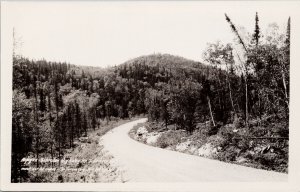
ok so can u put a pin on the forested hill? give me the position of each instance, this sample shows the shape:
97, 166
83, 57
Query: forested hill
163, 67
166, 60
56, 103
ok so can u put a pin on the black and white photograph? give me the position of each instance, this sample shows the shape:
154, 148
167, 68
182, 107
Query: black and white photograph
124, 92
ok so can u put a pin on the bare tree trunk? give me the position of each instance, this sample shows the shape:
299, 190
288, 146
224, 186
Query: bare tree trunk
37, 127
59, 143
51, 128
166, 122
230, 93
231, 99
37, 145
52, 157
210, 111
59, 151
246, 102
246, 92
285, 88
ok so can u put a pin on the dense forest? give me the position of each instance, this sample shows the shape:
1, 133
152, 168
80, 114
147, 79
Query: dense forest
246, 83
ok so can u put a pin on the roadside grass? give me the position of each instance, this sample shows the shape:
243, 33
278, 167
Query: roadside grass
93, 163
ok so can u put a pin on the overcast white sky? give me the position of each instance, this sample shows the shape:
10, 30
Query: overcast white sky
109, 33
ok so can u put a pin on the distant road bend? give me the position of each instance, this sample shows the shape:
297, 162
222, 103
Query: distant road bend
143, 163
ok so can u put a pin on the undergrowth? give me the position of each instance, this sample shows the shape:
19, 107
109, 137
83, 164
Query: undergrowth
262, 145
94, 162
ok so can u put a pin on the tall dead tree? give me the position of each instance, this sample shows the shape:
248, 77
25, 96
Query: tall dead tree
233, 28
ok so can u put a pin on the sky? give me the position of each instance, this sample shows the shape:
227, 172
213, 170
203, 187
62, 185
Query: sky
109, 33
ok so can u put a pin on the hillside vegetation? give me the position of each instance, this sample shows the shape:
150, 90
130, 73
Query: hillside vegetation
239, 116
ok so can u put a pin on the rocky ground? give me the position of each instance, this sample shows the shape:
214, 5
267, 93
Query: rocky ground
145, 163
228, 144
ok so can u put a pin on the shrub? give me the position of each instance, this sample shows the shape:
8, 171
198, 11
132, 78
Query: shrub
198, 139
217, 141
60, 179
209, 130
169, 138
238, 122
213, 130
162, 142
229, 154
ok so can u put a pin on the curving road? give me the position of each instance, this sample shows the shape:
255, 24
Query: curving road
143, 163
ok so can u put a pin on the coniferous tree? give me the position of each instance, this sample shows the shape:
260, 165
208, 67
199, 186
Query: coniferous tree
256, 34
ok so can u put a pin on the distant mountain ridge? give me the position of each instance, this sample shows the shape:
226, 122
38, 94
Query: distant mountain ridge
165, 60
152, 60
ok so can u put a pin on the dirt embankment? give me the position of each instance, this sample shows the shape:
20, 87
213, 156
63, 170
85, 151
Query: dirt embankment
145, 163
228, 144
